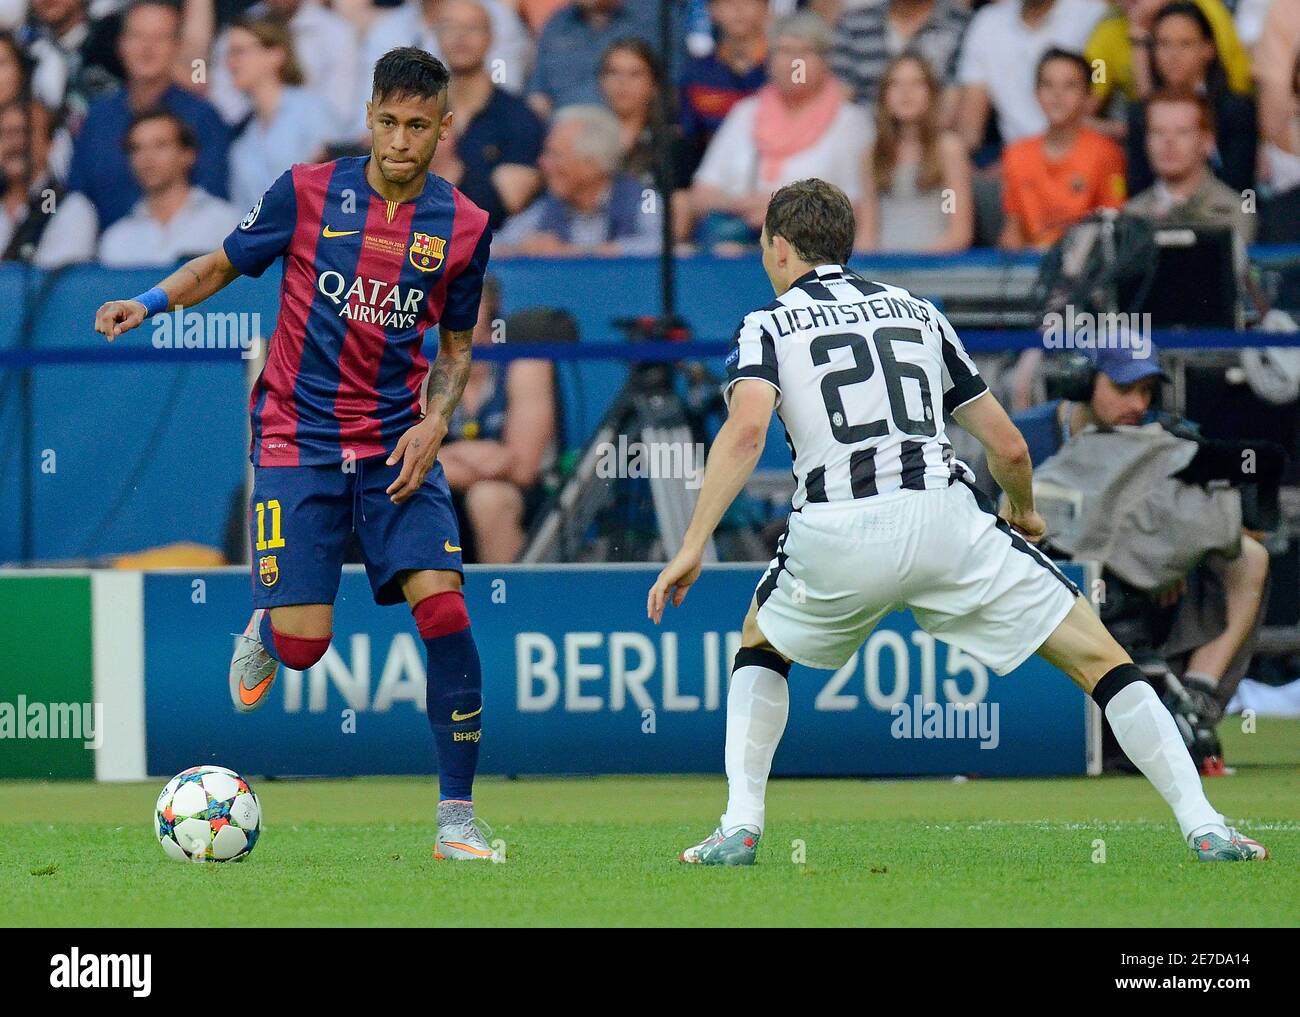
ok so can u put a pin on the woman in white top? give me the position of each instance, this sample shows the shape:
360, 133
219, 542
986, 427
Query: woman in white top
916, 184
800, 124
289, 124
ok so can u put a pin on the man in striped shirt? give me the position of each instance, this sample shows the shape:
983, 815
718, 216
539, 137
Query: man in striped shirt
885, 517
867, 38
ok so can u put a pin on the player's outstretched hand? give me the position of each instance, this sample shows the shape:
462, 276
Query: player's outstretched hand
673, 582
417, 449
118, 316
1030, 523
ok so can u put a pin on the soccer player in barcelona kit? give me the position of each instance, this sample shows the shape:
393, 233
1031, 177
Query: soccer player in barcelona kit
376, 250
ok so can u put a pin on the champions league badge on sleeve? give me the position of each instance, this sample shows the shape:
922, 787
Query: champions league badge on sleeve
248, 220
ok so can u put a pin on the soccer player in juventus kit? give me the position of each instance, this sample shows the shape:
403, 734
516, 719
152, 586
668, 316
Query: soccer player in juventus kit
885, 517
377, 252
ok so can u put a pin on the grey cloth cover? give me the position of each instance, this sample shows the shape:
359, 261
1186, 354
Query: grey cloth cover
1110, 495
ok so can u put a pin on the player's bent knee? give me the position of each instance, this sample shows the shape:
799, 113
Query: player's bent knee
761, 656
1083, 647
306, 621
300, 633
418, 585
299, 652
1114, 681
755, 648
441, 614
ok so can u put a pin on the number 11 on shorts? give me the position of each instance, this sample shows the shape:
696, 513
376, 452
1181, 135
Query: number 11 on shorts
262, 508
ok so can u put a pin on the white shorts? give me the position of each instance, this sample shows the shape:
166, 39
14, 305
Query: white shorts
969, 579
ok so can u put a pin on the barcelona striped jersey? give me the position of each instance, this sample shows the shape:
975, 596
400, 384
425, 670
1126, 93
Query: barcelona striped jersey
364, 279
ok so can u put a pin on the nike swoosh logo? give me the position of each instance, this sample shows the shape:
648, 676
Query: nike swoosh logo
327, 232
469, 847
464, 716
449, 547
250, 696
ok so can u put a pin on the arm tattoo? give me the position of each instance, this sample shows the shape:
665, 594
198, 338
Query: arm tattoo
450, 372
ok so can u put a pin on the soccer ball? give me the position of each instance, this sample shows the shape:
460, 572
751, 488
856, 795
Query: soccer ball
207, 814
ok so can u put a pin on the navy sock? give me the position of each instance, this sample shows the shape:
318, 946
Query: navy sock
454, 693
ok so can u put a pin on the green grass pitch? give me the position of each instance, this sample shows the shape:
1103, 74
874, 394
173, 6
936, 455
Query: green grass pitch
603, 852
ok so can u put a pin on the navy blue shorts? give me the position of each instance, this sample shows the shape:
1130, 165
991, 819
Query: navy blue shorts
301, 516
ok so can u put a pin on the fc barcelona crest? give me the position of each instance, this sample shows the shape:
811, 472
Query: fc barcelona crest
426, 252
267, 570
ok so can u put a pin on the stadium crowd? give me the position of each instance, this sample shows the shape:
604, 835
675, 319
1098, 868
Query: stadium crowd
137, 131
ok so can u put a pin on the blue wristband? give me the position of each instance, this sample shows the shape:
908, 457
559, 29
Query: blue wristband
154, 300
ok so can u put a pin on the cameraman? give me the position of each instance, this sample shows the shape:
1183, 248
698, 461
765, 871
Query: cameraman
1219, 601
1124, 388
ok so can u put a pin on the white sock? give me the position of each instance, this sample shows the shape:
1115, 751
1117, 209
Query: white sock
758, 703
1149, 737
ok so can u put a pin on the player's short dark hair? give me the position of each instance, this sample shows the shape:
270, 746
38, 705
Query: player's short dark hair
411, 72
185, 135
1057, 53
816, 218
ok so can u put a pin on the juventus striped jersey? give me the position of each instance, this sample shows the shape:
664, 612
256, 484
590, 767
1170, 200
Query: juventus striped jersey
364, 280
865, 375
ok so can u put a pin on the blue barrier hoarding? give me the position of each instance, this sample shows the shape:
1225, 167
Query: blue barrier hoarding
576, 680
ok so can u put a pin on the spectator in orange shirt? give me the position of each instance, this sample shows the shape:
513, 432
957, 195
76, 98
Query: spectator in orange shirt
1053, 180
